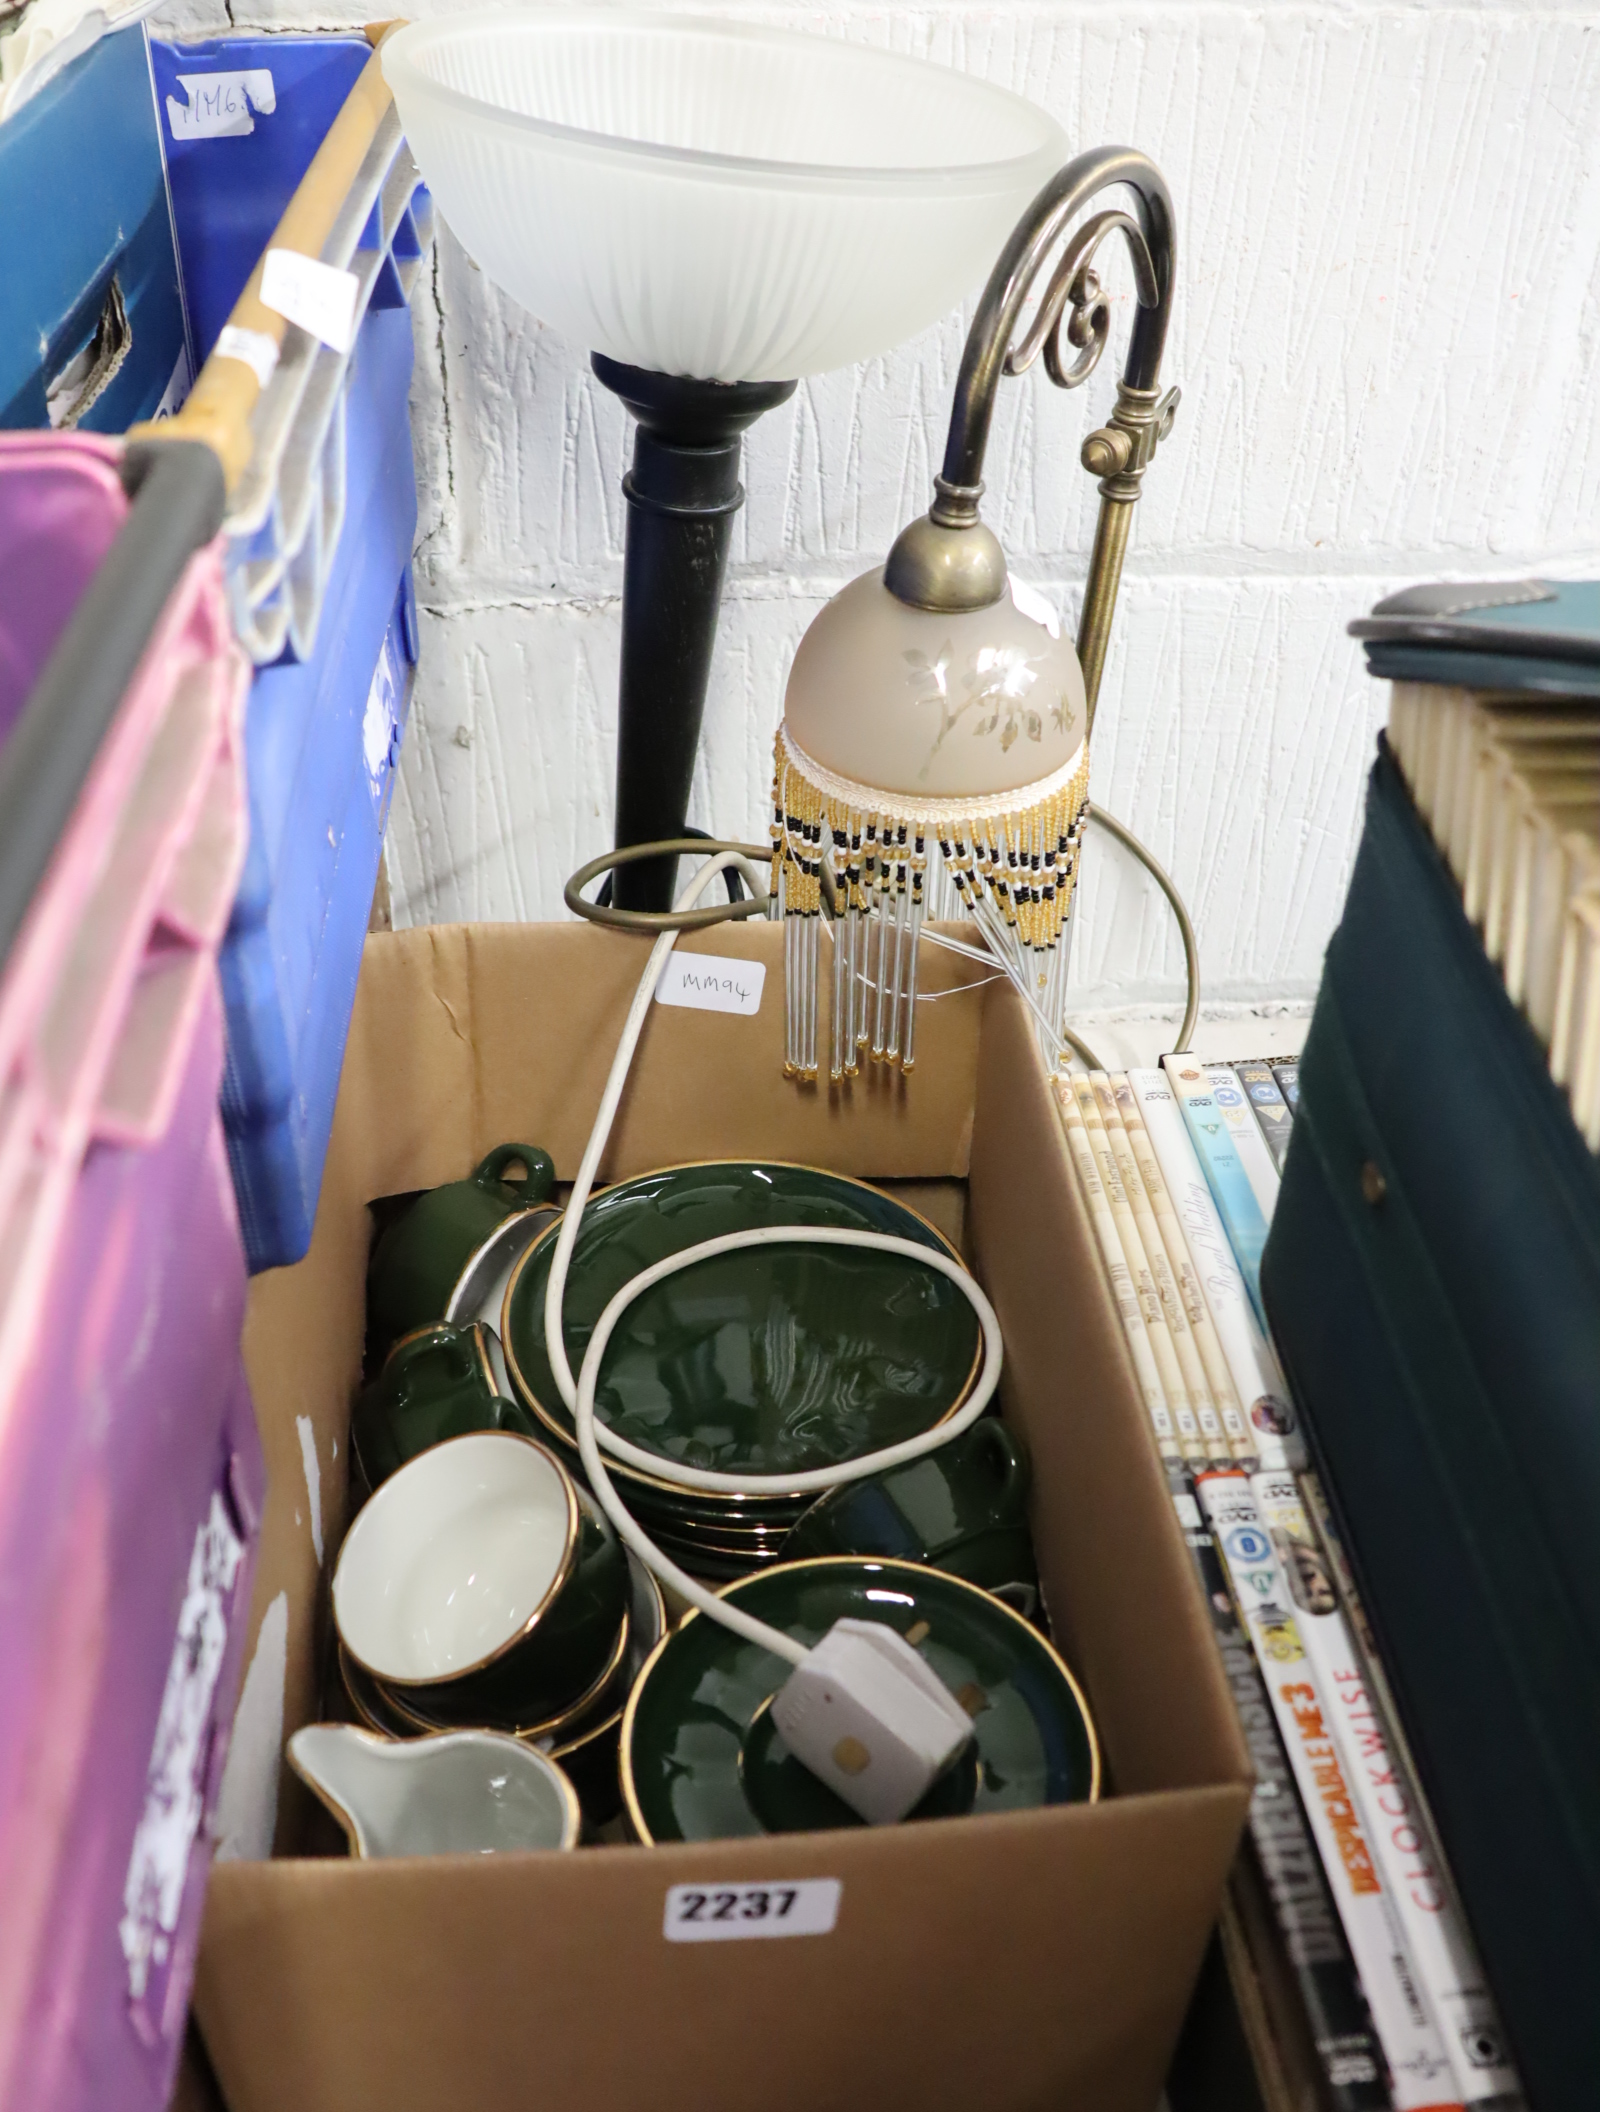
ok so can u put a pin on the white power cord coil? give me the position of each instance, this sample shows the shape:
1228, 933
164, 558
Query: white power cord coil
579, 1394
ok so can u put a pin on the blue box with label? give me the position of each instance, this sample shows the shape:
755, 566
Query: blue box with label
93, 333
242, 118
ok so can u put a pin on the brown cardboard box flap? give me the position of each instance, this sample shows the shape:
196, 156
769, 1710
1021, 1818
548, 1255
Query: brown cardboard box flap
982, 1967
1036, 1960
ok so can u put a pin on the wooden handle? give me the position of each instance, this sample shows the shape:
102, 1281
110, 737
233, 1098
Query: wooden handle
220, 404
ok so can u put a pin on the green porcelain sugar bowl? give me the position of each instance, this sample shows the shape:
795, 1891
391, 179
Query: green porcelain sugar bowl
418, 1258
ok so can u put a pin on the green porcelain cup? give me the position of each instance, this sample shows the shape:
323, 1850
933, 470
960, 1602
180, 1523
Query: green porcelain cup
962, 1509
419, 1258
437, 1383
480, 1583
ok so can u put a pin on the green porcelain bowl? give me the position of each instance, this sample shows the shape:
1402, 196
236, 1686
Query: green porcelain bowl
702, 1761
763, 1362
482, 1587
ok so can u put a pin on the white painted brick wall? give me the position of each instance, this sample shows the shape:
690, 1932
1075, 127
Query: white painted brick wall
1389, 222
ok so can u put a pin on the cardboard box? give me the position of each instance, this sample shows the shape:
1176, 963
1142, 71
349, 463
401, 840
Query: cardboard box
1035, 1960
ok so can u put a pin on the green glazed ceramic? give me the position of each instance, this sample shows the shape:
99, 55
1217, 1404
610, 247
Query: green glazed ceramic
767, 1361
586, 1746
702, 1761
418, 1259
963, 1509
482, 1587
437, 1383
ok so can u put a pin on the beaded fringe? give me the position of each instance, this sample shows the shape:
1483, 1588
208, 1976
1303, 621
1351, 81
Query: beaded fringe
1009, 868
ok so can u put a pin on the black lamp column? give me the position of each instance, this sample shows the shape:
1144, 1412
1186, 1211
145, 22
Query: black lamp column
683, 492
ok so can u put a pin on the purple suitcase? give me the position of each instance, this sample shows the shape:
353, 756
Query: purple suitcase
127, 1531
131, 1476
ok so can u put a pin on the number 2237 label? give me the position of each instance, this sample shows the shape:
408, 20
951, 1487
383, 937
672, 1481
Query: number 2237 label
729, 1913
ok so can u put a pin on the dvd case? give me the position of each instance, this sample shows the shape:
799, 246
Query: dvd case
1144, 1268
1440, 1950
1268, 1105
1124, 1292
1302, 1906
1420, 2077
1236, 1200
1233, 1104
1213, 1444
1202, 1328
1256, 1377
1475, 2040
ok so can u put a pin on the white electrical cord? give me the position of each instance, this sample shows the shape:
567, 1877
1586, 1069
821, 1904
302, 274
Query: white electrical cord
579, 1395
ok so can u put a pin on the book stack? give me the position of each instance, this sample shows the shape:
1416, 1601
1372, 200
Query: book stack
1504, 767
1372, 1964
1432, 1271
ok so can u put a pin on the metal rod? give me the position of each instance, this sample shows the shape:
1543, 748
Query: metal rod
1100, 594
683, 492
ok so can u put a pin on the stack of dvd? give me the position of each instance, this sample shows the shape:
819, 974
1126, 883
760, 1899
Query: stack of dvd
1179, 1172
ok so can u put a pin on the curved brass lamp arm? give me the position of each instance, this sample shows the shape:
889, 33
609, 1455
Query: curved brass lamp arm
949, 560
1087, 324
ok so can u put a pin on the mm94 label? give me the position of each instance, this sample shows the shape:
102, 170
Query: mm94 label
730, 1913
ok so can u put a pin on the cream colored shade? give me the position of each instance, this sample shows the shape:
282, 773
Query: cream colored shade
916, 703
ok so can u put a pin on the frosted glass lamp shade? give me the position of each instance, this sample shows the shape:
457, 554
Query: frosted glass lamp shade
714, 198
931, 705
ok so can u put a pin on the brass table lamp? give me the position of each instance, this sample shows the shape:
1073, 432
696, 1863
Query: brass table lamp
934, 712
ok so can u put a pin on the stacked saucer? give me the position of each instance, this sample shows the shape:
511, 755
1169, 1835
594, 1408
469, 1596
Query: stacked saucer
765, 1361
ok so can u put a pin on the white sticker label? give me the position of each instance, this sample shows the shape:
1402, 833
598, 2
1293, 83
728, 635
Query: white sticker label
254, 347
707, 983
177, 388
158, 1869
730, 1913
319, 297
378, 742
221, 105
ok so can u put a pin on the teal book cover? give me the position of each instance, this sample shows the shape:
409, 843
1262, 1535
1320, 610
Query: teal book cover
1230, 1187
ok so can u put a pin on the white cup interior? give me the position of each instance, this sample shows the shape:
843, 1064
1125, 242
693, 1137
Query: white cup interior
452, 1556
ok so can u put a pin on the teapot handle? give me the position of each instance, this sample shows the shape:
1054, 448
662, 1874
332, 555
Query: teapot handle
538, 1165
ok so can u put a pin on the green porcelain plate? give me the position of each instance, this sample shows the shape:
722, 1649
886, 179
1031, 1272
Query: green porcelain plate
766, 1362
701, 1760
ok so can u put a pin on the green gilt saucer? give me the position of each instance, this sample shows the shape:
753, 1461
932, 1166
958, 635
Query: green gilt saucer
702, 1760
769, 1361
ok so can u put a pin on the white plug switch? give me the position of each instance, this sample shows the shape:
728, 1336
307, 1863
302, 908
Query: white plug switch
871, 1718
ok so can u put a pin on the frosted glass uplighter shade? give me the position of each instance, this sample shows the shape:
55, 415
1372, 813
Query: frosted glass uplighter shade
714, 198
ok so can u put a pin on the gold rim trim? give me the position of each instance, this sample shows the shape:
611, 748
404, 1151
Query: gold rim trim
620, 1469
356, 1683
571, 1805
630, 1800
564, 1718
552, 1592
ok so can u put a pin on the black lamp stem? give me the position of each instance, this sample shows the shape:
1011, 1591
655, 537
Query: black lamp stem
683, 492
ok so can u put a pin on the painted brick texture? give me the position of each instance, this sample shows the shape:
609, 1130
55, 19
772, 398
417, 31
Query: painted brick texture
1389, 223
